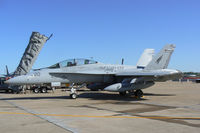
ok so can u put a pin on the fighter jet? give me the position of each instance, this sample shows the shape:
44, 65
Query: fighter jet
43, 87
114, 78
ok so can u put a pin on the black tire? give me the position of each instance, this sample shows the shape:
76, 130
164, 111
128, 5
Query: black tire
122, 93
44, 90
10, 91
73, 96
139, 93
36, 90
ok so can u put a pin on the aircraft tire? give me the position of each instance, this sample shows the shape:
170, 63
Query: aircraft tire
139, 93
36, 90
122, 93
7, 91
44, 90
73, 96
10, 91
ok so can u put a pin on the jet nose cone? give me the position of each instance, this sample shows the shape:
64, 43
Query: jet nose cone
10, 81
15, 80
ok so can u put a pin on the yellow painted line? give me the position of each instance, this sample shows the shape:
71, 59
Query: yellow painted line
90, 116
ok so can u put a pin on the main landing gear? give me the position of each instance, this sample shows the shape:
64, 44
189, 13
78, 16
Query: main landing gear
138, 93
39, 89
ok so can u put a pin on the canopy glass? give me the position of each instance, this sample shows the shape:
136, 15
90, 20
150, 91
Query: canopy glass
73, 62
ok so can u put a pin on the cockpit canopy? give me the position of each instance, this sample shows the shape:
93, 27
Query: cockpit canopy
73, 62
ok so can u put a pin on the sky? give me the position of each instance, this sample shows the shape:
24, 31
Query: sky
105, 30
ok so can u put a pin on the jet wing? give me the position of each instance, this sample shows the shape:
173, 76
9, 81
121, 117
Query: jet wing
150, 75
65, 75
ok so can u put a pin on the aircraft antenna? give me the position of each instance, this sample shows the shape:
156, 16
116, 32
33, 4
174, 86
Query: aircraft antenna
50, 37
122, 61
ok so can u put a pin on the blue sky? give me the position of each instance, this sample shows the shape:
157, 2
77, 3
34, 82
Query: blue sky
106, 30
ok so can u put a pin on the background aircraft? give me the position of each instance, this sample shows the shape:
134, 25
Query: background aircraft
30, 55
3, 78
117, 78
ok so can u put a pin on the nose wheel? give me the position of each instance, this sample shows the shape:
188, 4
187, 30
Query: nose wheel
74, 90
73, 96
73, 93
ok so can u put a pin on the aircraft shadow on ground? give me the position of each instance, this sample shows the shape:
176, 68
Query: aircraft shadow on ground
91, 95
36, 98
106, 96
154, 94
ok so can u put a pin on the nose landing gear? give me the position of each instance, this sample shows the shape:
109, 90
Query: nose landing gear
73, 91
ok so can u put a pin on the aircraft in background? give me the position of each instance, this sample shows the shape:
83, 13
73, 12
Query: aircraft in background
114, 78
7, 73
31, 53
3, 78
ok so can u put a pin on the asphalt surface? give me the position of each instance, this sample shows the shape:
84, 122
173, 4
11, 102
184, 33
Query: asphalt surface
166, 107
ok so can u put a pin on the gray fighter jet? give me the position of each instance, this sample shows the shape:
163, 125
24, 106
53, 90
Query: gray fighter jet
31, 53
115, 78
43, 87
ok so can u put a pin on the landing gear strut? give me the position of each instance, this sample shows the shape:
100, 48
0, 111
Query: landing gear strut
73, 91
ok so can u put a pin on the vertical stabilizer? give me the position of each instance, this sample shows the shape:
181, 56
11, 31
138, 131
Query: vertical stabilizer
161, 60
145, 58
31, 53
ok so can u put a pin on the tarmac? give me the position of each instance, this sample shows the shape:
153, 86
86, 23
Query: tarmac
166, 107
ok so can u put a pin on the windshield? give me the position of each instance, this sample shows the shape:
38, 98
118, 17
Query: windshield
73, 62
